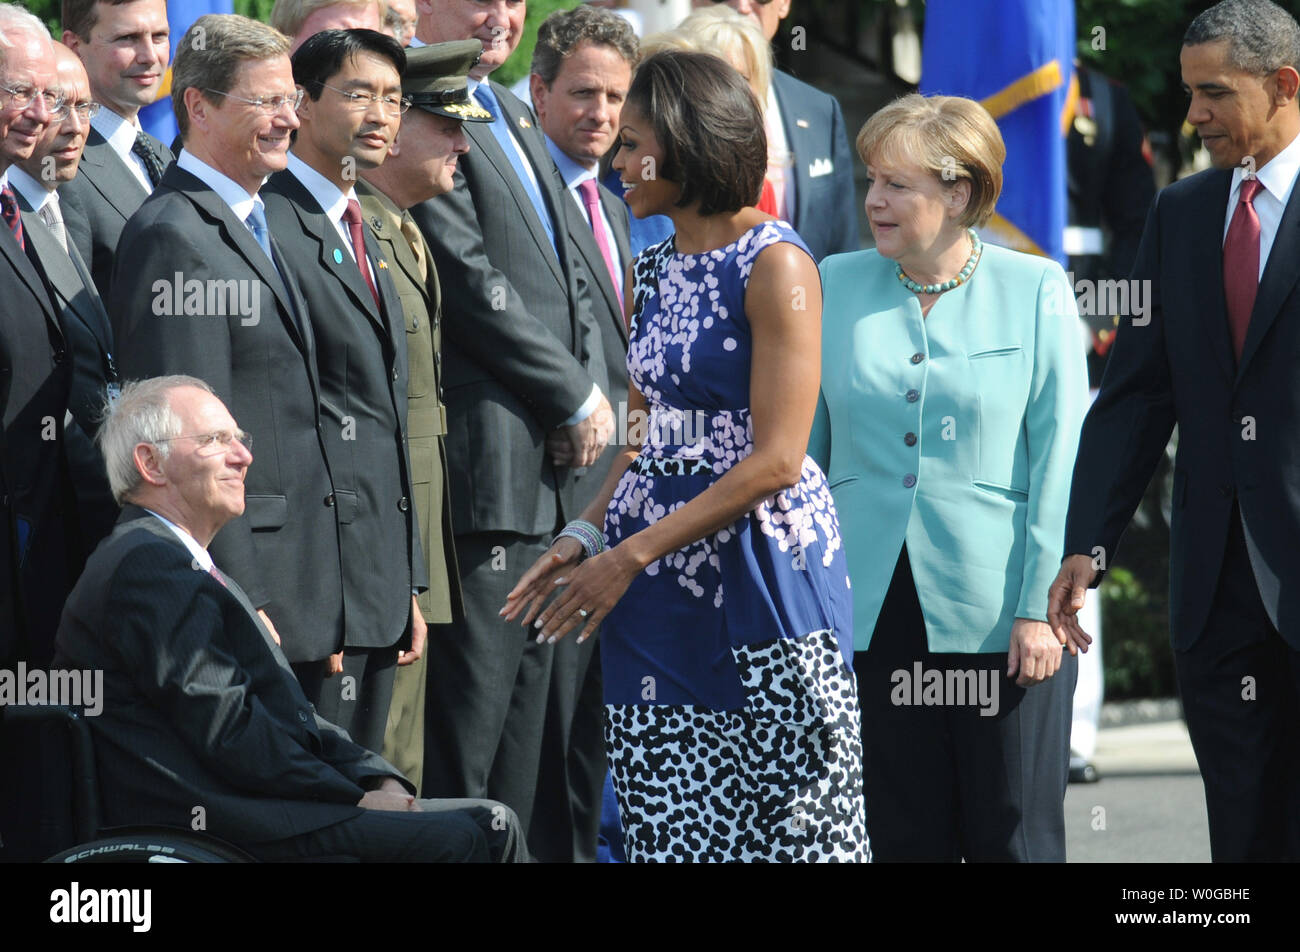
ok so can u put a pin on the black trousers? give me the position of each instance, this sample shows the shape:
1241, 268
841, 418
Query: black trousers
489, 681
1239, 683
446, 831
358, 699
944, 781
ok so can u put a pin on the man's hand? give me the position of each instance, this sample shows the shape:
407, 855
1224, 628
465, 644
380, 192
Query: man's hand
266, 620
334, 665
419, 635
559, 448
589, 437
391, 796
1065, 600
1035, 653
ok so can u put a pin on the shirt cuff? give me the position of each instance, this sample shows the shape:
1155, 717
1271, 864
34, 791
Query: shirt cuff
588, 407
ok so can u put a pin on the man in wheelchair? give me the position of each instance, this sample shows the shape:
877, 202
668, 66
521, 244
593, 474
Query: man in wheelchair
204, 725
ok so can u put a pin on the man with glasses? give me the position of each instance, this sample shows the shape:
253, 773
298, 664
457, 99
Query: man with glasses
812, 167
125, 46
37, 181
349, 118
199, 705
200, 288
35, 561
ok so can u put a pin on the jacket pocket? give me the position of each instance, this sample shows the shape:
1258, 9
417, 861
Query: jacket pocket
266, 512
994, 351
997, 489
842, 481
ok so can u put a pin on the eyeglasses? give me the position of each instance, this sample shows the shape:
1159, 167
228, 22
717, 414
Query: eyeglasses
223, 438
85, 111
22, 95
268, 104
761, 3
360, 100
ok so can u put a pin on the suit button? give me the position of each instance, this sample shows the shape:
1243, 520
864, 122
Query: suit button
913, 396
403, 504
918, 357
909, 481
329, 500
394, 373
302, 716
1225, 490
910, 439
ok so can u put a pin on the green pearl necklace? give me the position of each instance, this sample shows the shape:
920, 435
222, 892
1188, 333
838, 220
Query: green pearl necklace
976, 247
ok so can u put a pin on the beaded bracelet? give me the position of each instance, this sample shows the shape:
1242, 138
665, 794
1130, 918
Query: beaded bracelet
588, 536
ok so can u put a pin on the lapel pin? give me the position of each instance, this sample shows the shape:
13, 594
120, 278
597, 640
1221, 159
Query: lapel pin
376, 224
338, 256
382, 264
801, 123
524, 123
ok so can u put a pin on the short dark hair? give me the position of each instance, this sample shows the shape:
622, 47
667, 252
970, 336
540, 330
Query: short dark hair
79, 16
1262, 37
563, 31
324, 54
709, 126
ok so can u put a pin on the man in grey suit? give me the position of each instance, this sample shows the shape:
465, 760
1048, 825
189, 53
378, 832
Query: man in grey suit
203, 725
582, 67
35, 181
125, 46
523, 359
198, 290
356, 316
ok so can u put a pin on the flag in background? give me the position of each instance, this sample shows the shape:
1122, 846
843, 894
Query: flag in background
157, 118
1016, 58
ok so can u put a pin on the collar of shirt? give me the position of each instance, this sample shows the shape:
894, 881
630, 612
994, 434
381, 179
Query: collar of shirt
331, 201
572, 173
416, 43
119, 132
36, 194
227, 189
200, 554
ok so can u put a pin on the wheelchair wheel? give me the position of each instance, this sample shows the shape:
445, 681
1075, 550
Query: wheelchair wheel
154, 845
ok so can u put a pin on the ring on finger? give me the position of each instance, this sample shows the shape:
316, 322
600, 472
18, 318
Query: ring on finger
583, 613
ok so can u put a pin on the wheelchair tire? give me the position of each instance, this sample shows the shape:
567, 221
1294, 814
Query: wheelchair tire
154, 845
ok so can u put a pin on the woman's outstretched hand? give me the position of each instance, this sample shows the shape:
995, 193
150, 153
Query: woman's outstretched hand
590, 590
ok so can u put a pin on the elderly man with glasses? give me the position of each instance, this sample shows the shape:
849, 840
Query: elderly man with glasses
201, 288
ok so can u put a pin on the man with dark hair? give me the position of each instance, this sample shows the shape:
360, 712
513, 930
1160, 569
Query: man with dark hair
582, 66
1215, 353
200, 288
524, 359
815, 192
37, 181
125, 46
349, 117
203, 723
431, 141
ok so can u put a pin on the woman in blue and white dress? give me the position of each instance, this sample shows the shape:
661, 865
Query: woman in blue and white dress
717, 575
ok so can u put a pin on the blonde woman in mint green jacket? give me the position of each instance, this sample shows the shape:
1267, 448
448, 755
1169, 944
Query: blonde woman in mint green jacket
953, 388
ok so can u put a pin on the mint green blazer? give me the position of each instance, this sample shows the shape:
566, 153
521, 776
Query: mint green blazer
956, 434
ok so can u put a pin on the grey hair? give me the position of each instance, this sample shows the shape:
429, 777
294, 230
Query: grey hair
141, 414
1262, 37
16, 20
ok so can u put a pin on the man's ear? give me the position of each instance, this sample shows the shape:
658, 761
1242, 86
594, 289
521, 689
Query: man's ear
537, 91
1286, 81
148, 463
197, 106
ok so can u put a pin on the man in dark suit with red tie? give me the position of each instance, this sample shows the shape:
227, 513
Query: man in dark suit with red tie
1216, 353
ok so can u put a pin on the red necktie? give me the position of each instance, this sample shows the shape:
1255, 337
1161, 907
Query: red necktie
1241, 264
13, 218
353, 219
591, 198
216, 574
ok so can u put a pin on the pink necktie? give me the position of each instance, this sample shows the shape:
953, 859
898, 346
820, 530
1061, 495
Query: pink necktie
1241, 264
591, 198
216, 574
352, 217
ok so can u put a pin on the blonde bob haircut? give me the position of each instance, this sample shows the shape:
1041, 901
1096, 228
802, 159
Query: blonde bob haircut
723, 32
952, 137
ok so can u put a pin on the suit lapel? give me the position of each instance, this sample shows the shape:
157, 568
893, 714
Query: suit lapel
1280, 274
793, 134
388, 232
594, 262
236, 234
19, 261
110, 176
1205, 268
72, 289
616, 212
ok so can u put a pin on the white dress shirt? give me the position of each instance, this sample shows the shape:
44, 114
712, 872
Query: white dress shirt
1278, 179
33, 192
121, 134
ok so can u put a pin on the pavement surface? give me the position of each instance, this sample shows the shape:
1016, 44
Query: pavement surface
1148, 807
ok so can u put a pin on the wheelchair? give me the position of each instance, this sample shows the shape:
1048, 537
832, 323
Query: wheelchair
95, 843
